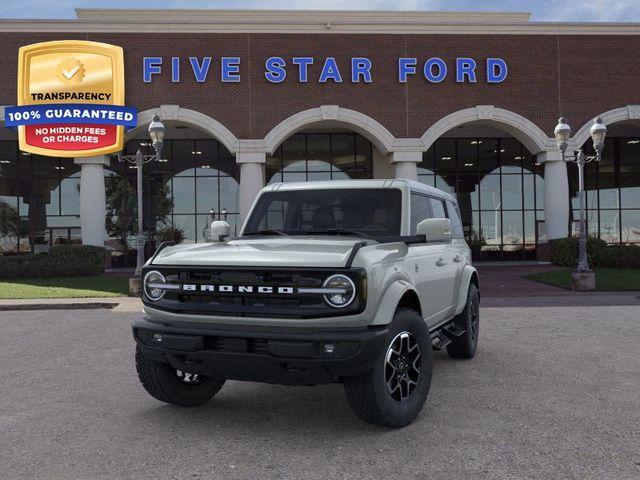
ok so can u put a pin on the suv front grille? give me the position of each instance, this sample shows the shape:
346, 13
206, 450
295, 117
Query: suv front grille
240, 296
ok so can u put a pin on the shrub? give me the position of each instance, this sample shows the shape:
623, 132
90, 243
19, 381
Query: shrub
61, 261
564, 252
170, 234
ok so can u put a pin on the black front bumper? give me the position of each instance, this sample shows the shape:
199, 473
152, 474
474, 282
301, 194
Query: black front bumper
271, 355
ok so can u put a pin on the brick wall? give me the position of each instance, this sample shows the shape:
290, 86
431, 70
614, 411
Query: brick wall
578, 76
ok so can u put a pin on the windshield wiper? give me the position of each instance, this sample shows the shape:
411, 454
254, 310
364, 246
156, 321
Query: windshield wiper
268, 232
339, 231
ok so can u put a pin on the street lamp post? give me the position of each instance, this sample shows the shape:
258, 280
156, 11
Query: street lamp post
562, 133
156, 133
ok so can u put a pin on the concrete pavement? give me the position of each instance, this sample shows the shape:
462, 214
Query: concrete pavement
553, 393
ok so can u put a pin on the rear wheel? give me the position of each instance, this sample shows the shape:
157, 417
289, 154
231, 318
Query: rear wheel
395, 390
176, 387
465, 345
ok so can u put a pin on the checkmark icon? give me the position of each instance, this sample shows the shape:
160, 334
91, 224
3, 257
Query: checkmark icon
71, 73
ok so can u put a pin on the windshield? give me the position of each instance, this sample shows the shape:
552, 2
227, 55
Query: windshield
367, 212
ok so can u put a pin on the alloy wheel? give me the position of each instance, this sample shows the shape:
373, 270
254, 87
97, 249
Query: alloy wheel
402, 366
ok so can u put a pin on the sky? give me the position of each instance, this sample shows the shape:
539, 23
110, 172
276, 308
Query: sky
542, 10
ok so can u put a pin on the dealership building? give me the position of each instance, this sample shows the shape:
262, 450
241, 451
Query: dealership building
466, 102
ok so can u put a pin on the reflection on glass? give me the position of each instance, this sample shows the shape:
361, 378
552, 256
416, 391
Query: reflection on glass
512, 192
320, 156
188, 225
610, 226
630, 221
512, 229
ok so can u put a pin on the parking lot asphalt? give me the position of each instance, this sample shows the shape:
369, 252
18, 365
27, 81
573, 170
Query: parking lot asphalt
553, 393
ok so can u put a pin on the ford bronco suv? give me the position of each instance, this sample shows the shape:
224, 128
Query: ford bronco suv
353, 281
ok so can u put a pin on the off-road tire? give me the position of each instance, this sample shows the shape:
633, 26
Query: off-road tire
368, 395
465, 345
161, 381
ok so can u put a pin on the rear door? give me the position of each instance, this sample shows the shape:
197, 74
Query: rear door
448, 261
431, 277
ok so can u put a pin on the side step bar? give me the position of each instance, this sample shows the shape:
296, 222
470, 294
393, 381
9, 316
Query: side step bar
443, 336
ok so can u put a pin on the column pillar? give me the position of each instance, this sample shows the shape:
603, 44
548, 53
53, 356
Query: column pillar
93, 209
556, 194
251, 179
406, 164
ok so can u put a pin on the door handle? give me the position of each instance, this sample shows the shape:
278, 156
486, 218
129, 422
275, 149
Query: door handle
457, 259
441, 262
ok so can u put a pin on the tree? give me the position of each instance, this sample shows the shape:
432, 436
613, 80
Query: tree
9, 222
122, 208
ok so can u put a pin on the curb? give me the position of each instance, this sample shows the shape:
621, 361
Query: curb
7, 307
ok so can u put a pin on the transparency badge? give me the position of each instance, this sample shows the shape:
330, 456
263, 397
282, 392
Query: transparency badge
70, 99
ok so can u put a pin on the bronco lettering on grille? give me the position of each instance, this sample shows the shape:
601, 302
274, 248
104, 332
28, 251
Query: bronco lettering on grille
264, 289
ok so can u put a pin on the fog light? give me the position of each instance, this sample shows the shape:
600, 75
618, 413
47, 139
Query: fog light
329, 348
157, 338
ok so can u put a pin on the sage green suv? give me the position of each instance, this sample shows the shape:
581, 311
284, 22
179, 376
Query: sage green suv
353, 282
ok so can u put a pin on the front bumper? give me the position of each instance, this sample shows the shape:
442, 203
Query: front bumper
273, 355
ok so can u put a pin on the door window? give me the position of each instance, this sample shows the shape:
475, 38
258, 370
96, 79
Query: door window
419, 210
437, 207
456, 221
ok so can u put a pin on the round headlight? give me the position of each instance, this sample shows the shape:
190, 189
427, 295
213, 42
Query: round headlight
153, 292
345, 291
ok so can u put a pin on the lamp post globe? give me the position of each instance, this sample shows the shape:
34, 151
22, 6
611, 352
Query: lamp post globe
598, 133
156, 133
562, 133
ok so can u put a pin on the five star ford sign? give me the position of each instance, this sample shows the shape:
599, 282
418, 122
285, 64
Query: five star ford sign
70, 99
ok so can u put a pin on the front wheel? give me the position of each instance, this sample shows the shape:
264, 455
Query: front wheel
395, 390
169, 385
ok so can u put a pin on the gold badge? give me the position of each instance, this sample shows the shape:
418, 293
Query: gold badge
78, 74
70, 71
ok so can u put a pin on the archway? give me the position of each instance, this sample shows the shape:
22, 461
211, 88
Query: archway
496, 179
612, 186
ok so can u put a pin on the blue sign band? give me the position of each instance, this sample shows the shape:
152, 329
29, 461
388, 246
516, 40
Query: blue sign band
70, 113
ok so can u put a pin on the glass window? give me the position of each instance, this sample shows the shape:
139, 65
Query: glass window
490, 197
467, 157
467, 192
512, 228
320, 156
370, 211
187, 223
183, 190
629, 155
512, 192
456, 221
445, 157
630, 220
183, 155
207, 195
610, 226
630, 190
511, 155
419, 210
488, 149
437, 208
319, 152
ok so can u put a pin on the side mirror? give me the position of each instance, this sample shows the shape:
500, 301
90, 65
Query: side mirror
220, 230
435, 229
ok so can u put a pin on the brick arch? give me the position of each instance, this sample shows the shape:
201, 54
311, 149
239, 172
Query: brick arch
382, 138
192, 117
616, 115
527, 132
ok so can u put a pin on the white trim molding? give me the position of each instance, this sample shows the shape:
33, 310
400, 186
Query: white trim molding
373, 130
622, 114
195, 21
185, 115
531, 136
